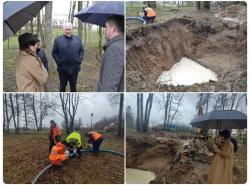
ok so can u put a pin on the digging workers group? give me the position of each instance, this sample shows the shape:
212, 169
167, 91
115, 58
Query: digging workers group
61, 150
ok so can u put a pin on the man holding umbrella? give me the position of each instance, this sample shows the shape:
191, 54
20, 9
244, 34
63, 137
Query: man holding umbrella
111, 76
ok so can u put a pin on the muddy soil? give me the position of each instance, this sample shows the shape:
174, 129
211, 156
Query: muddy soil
25, 155
177, 159
212, 40
90, 169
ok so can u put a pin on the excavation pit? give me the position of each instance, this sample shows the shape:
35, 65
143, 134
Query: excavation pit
216, 43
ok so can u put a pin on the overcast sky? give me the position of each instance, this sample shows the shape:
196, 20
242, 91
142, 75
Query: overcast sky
187, 109
97, 103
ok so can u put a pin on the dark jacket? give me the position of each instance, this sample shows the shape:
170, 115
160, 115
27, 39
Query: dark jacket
42, 55
68, 53
111, 77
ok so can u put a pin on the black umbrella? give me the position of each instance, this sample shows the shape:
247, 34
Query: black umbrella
99, 12
229, 119
17, 13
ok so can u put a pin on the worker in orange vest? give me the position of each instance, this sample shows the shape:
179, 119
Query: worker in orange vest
149, 14
58, 153
54, 131
96, 139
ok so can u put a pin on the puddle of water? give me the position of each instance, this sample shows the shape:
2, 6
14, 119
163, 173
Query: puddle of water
136, 176
186, 72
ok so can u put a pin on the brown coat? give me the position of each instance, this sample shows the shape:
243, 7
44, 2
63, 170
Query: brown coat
221, 169
30, 73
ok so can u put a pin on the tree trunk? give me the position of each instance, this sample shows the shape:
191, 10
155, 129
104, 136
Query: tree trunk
70, 7
31, 26
48, 33
7, 117
79, 21
141, 111
17, 113
40, 30
120, 127
72, 12
166, 112
138, 113
152, 4
100, 41
34, 111
13, 110
64, 102
85, 33
147, 112
25, 112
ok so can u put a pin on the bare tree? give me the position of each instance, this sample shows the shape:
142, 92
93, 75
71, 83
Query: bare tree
64, 102
33, 107
72, 11
221, 102
147, 112
120, 124
6, 113
17, 113
139, 121
31, 26
205, 5
73, 105
40, 30
170, 102
13, 112
25, 111
100, 41
48, 33
129, 118
204, 102
69, 104
79, 21
152, 4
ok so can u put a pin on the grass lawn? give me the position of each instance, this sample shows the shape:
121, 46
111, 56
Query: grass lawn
87, 77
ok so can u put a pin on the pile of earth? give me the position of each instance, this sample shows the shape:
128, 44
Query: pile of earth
172, 160
216, 42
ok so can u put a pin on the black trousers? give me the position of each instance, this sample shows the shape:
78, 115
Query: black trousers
96, 144
65, 78
51, 144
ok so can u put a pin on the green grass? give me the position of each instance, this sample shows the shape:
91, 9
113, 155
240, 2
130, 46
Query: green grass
92, 39
164, 12
87, 78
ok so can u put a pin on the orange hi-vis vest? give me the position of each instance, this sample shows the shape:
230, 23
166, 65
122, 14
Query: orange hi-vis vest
57, 154
150, 12
96, 135
53, 132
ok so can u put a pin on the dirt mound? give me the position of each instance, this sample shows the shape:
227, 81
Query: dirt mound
149, 153
215, 42
190, 165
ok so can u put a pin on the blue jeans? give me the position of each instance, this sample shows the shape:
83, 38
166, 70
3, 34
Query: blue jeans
147, 19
